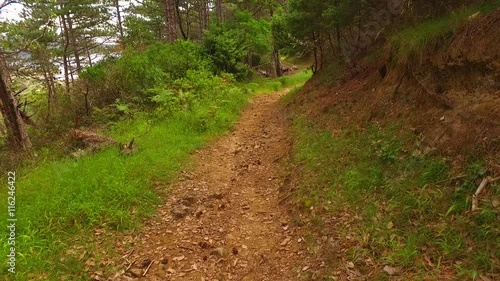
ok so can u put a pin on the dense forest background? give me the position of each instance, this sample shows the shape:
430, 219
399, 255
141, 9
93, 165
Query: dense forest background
69, 64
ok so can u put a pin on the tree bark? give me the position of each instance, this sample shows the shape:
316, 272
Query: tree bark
277, 61
119, 17
179, 21
89, 55
17, 136
170, 10
203, 16
50, 91
71, 32
218, 10
62, 19
3, 132
315, 51
276, 54
337, 30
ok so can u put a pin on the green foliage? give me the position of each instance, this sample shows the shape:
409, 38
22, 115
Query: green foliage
224, 50
67, 198
144, 24
177, 59
228, 44
412, 40
290, 94
307, 19
265, 85
122, 107
138, 75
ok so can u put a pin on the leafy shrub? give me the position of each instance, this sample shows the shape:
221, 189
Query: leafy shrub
231, 43
178, 58
146, 77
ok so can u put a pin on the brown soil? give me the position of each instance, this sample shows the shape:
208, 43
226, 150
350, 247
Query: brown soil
223, 219
449, 96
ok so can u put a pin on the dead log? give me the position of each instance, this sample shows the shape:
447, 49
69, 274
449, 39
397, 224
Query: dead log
86, 142
475, 200
264, 73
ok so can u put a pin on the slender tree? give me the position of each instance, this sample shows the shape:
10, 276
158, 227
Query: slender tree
219, 10
17, 135
204, 11
170, 16
119, 17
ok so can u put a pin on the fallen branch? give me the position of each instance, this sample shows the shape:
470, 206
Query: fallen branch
130, 265
452, 179
126, 256
399, 83
147, 269
475, 201
291, 192
185, 248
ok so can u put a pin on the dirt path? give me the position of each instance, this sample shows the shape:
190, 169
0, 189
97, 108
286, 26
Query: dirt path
223, 220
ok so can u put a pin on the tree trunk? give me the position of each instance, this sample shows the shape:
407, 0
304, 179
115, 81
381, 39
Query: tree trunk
62, 19
178, 13
315, 51
203, 16
71, 32
249, 59
218, 10
188, 21
275, 54
2, 128
119, 17
87, 103
50, 91
170, 11
17, 136
321, 53
337, 30
89, 55
276, 61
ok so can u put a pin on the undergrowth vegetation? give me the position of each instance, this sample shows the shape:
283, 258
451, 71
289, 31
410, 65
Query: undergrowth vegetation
406, 208
62, 201
59, 199
266, 85
412, 40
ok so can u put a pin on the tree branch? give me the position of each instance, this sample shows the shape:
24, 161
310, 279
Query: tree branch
5, 3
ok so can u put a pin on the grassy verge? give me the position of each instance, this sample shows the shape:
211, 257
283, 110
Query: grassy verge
412, 40
388, 203
265, 85
61, 203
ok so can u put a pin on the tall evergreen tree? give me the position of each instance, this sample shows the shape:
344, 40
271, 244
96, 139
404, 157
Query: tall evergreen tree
17, 135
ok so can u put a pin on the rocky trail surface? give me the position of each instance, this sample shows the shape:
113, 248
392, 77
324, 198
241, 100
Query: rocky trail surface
223, 219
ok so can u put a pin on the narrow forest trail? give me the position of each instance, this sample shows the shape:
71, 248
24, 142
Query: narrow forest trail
223, 219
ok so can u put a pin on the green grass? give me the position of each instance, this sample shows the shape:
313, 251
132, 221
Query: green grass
290, 94
60, 202
412, 40
405, 204
264, 85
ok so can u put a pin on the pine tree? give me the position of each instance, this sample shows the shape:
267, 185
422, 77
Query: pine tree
17, 135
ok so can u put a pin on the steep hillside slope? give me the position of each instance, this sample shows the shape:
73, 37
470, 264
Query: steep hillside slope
386, 159
449, 94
